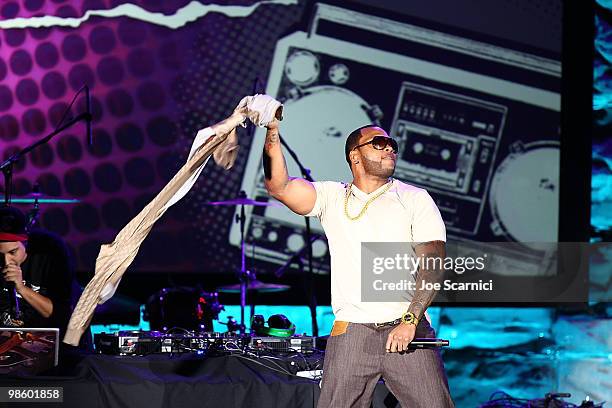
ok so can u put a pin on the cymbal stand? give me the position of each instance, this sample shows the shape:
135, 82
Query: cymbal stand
244, 275
310, 286
32, 216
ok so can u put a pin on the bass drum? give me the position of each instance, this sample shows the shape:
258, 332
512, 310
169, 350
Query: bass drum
182, 307
524, 196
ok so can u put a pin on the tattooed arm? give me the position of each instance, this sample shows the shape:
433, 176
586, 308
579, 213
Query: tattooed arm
431, 271
297, 194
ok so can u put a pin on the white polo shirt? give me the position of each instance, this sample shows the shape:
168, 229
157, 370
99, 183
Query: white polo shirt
404, 213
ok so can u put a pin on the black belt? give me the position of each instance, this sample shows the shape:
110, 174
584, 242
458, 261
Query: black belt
386, 324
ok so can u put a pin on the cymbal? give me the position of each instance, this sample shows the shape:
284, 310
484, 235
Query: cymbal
255, 285
43, 199
245, 201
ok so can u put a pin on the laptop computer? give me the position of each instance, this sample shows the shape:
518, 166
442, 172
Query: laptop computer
28, 351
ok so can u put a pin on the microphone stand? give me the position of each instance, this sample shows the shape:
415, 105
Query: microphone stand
32, 217
7, 169
310, 288
7, 166
244, 275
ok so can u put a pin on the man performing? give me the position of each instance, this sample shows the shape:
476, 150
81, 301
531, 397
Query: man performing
36, 275
369, 340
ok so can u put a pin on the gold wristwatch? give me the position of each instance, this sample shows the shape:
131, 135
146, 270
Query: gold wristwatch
410, 318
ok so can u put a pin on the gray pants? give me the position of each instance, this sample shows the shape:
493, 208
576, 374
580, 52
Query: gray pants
355, 359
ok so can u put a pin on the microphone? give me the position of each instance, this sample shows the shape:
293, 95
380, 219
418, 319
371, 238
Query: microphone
14, 300
89, 116
428, 343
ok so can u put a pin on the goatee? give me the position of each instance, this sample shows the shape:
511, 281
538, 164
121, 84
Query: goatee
375, 168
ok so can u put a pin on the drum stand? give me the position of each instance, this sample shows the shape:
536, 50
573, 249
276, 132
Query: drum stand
244, 275
246, 278
310, 286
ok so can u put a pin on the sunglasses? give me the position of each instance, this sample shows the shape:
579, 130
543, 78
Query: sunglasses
380, 143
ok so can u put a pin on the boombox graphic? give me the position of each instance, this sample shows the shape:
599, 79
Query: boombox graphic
477, 126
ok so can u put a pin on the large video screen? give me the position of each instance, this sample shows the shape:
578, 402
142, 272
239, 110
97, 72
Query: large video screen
478, 126
472, 92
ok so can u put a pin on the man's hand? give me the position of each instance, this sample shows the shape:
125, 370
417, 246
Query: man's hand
273, 124
400, 337
12, 273
41, 303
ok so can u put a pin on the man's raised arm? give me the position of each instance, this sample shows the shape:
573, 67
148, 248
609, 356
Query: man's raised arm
297, 194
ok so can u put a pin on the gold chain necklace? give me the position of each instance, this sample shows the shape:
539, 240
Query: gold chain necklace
365, 207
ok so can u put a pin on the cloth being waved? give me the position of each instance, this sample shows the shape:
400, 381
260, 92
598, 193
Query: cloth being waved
219, 141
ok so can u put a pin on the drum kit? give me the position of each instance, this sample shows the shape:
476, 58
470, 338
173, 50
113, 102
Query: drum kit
36, 198
185, 307
194, 309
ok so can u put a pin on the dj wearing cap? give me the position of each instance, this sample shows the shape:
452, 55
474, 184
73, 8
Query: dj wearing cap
36, 280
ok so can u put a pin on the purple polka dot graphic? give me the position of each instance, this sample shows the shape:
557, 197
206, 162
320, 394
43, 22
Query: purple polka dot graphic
76, 182
33, 122
46, 55
85, 218
107, 178
9, 10
151, 96
139, 173
56, 112
9, 128
102, 40
56, 220
21, 62
80, 75
69, 149
14, 37
74, 48
42, 157
119, 103
129, 137
49, 184
33, 5
6, 98
141, 62
132, 33
110, 70
102, 144
53, 85
27, 92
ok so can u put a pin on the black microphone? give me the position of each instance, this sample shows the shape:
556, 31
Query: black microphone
89, 116
428, 343
14, 300
10, 286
